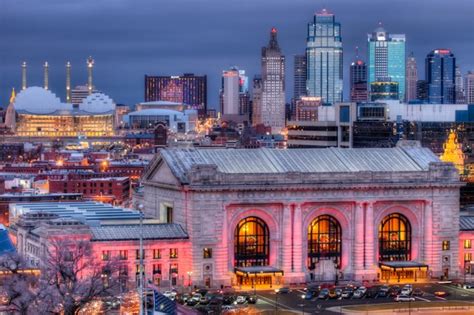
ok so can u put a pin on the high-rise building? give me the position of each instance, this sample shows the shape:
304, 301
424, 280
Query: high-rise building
80, 93
469, 87
440, 67
459, 87
257, 100
324, 58
230, 92
411, 78
358, 81
384, 90
422, 90
272, 107
299, 76
387, 58
188, 89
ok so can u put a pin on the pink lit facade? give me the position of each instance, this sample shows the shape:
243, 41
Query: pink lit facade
315, 214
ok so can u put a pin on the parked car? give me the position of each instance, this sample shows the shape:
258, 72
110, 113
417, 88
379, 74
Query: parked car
418, 292
468, 285
395, 290
323, 294
228, 299
347, 293
371, 292
241, 299
360, 292
384, 291
407, 289
308, 295
404, 298
252, 299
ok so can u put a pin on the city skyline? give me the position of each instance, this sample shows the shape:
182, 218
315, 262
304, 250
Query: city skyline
125, 52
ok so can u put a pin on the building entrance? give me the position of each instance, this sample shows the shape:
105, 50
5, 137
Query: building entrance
403, 271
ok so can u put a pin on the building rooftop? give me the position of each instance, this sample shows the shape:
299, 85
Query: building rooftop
132, 232
88, 211
466, 222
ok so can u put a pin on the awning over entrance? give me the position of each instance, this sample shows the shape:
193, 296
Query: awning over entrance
258, 270
402, 265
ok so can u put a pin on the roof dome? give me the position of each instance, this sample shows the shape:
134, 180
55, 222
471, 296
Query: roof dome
37, 100
97, 103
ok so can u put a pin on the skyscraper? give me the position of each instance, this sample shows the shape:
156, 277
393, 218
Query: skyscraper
299, 75
387, 58
272, 108
459, 86
230, 92
324, 58
469, 87
440, 67
411, 78
358, 81
189, 89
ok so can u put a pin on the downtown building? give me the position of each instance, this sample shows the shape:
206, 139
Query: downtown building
440, 76
358, 81
269, 89
234, 95
469, 87
387, 58
411, 79
324, 58
187, 89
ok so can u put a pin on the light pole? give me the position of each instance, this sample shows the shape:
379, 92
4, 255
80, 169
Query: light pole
189, 280
302, 304
276, 301
142, 309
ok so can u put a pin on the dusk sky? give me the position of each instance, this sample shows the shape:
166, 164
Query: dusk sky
131, 38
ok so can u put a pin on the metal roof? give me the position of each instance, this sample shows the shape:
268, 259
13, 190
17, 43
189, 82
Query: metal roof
274, 161
132, 232
466, 223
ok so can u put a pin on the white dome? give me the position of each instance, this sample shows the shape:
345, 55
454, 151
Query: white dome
97, 103
37, 100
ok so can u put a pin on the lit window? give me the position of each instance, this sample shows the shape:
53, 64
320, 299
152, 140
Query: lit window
467, 244
173, 253
445, 245
467, 257
207, 253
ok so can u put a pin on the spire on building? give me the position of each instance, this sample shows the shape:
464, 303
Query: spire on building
45, 75
273, 44
23, 75
90, 66
12, 96
68, 82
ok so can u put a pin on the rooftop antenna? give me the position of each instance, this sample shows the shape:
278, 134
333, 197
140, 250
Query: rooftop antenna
90, 66
23, 75
45, 75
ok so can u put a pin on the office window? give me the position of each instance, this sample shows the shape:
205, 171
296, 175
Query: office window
467, 244
445, 245
173, 253
207, 253
156, 253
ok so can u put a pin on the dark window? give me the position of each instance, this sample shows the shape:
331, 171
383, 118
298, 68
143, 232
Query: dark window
324, 240
123, 255
252, 243
395, 238
105, 254
137, 254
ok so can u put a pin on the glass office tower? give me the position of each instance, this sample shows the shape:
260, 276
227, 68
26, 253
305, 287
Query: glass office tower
440, 67
387, 58
324, 58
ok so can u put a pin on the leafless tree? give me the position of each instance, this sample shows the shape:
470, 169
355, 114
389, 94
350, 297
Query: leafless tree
19, 283
73, 277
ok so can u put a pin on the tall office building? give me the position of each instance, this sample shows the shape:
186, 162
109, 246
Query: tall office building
324, 58
422, 91
189, 89
299, 76
459, 87
358, 81
257, 100
387, 58
411, 78
230, 92
469, 87
272, 107
440, 67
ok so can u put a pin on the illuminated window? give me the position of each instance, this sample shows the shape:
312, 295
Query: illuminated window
251, 243
105, 254
207, 253
173, 253
467, 257
395, 238
445, 245
467, 244
156, 253
324, 240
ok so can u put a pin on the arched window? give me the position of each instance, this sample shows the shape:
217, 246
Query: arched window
324, 240
251, 243
394, 238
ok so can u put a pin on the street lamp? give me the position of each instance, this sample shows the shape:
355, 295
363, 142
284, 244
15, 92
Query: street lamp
189, 279
302, 304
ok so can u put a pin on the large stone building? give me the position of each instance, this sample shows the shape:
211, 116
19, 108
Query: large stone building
288, 216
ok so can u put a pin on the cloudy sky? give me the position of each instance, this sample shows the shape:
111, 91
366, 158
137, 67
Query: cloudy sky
131, 38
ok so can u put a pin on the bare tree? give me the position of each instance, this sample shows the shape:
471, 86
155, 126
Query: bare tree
19, 283
73, 278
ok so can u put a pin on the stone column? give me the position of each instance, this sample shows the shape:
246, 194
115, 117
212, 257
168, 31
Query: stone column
369, 236
358, 247
298, 258
286, 253
428, 232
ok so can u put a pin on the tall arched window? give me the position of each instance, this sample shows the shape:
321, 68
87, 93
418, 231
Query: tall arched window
324, 240
394, 238
251, 243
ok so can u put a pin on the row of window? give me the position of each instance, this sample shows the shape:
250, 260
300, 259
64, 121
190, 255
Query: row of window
173, 254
